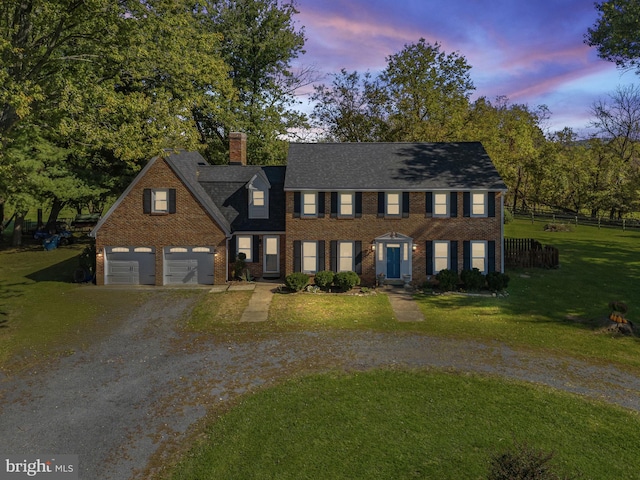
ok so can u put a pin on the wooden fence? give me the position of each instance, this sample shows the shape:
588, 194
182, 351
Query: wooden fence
528, 253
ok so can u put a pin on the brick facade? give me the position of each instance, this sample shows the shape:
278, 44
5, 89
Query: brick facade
189, 226
369, 226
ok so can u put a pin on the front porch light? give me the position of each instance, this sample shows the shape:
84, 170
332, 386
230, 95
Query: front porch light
414, 247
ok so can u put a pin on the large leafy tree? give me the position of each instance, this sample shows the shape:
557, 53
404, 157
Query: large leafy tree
260, 40
108, 83
616, 33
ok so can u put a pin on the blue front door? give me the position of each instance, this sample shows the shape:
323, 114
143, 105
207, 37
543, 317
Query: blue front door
393, 262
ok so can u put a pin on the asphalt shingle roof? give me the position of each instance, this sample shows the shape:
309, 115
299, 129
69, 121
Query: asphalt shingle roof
391, 166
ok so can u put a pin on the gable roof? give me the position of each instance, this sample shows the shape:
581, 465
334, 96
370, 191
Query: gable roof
391, 166
185, 165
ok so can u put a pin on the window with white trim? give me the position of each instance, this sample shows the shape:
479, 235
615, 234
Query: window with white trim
160, 201
309, 257
345, 256
440, 256
479, 255
244, 246
258, 207
478, 204
393, 206
440, 204
345, 201
309, 204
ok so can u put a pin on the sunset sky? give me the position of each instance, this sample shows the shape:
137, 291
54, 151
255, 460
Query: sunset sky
530, 51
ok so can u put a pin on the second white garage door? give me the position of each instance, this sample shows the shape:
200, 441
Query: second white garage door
188, 265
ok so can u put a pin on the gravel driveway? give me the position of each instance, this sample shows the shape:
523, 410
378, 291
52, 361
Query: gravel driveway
126, 402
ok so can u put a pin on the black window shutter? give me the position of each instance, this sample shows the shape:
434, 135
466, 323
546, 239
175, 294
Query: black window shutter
358, 256
146, 200
333, 255
466, 204
380, 204
334, 204
453, 261
255, 241
296, 206
321, 265
297, 256
491, 204
428, 204
491, 254
232, 249
405, 204
172, 200
358, 204
321, 204
453, 204
429, 251
466, 255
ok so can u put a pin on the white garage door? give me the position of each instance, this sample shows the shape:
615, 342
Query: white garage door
130, 266
188, 265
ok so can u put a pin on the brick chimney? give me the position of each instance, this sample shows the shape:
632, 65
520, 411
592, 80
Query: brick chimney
237, 148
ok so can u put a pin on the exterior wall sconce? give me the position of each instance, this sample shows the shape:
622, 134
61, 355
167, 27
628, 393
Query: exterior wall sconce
414, 247
373, 247
101, 252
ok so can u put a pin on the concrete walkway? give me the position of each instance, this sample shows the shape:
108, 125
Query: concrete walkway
405, 308
258, 308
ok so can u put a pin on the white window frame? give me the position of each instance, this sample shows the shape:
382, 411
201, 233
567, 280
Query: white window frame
156, 203
441, 260
258, 203
388, 204
308, 254
475, 258
439, 204
309, 208
478, 209
241, 246
342, 205
346, 256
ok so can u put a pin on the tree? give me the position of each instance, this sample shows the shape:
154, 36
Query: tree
350, 110
260, 41
427, 93
616, 34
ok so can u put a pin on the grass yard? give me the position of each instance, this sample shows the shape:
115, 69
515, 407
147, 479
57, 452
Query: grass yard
42, 313
400, 425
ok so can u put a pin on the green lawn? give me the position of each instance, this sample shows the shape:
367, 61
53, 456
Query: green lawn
42, 313
401, 425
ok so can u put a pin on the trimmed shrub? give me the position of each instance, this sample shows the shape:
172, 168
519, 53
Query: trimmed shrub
239, 265
473, 279
346, 280
497, 281
297, 281
523, 462
447, 280
508, 216
324, 279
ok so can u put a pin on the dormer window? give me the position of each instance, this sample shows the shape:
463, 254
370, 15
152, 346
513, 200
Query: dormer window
258, 189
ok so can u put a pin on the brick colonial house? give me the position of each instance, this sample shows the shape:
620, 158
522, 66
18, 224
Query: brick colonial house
402, 211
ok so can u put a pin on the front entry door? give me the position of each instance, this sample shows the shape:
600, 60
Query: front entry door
271, 265
393, 262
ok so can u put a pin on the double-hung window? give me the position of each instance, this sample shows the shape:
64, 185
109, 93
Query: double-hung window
160, 201
479, 255
440, 256
345, 257
478, 204
245, 246
440, 204
393, 207
346, 206
309, 257
309, 204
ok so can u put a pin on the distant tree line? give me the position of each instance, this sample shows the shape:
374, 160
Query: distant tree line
91, 89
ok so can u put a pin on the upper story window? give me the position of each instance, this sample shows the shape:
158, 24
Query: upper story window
346, 207
440, 204
478, 204
309, 204
393, 206
258, 207
159, 200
